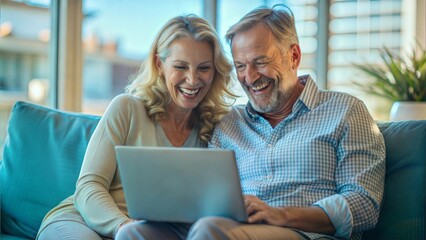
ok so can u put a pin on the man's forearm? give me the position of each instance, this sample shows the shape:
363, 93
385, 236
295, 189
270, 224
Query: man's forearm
309, 219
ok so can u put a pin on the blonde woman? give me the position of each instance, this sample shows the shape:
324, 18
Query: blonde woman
181, 92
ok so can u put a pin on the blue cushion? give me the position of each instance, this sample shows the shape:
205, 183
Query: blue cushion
43, 152
11, 237
403, 210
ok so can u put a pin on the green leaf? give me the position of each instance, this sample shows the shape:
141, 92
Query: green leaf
397, 78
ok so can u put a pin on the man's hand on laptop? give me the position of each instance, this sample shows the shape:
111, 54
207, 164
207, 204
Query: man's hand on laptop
260, 212
311, 219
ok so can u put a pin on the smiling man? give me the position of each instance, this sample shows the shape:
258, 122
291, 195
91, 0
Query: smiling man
311, 162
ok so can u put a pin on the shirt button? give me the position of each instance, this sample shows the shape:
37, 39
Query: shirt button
270, 145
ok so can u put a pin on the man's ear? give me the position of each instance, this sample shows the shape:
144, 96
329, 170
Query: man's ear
296, 56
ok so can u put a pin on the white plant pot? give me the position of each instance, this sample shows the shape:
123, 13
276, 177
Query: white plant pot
408, 111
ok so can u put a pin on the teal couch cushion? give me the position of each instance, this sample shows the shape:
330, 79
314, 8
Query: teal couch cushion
11, 237
42, 156
403, 211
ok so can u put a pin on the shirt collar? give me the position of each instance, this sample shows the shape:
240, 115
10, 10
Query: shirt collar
251, 112
310, 93
308, 96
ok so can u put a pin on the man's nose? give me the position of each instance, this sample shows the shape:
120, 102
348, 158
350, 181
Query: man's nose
251, 74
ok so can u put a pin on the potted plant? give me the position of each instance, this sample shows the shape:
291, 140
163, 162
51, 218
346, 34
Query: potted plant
403, 81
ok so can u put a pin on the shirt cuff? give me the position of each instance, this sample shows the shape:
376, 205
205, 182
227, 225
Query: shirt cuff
339, 213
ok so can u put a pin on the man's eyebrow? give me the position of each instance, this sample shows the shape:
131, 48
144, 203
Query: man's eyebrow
263, 57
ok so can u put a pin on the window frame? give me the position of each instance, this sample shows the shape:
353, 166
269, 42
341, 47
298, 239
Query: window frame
66, 54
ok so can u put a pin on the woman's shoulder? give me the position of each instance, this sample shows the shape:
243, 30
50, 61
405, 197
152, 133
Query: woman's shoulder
125, 99
125, 104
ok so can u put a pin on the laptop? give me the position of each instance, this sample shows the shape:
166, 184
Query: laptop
170, 184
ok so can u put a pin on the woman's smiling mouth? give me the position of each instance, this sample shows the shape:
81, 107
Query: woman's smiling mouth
189, 92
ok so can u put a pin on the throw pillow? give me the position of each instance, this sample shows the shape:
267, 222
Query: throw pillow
43, 152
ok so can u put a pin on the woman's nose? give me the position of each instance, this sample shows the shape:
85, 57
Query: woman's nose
192, 77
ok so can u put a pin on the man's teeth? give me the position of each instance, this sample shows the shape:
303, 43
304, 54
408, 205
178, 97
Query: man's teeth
260, 87
189, 91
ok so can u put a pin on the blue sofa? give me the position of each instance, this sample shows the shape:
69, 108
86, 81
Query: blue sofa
44, 150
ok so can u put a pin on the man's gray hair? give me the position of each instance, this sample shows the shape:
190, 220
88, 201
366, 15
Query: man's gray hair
279, 19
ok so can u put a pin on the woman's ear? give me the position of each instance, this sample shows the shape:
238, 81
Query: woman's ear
158, 64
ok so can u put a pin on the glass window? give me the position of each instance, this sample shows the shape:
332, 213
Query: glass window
358, 29
24, 64
116, 38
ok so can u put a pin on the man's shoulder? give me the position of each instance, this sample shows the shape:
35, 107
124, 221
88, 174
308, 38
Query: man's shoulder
339, 97
237, 111
232, 124
313, 96
239, 108
235, 116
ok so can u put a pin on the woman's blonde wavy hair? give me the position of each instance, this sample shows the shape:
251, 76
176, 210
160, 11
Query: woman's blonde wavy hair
151, 87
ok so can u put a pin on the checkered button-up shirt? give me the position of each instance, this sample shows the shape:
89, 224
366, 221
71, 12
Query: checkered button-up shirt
328, 152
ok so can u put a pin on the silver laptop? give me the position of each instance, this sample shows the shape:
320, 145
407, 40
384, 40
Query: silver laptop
180, 184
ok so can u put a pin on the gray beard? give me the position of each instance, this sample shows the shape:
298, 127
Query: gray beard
272, 102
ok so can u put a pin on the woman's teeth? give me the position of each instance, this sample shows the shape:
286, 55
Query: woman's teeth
189, 91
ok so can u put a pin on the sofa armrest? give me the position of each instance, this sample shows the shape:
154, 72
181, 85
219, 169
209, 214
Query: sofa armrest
402, 215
